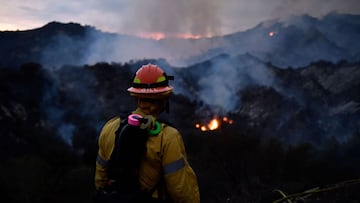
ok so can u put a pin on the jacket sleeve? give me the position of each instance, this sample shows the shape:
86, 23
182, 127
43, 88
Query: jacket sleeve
180, 179
106, 145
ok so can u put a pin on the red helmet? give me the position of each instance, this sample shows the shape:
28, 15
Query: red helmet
151, 81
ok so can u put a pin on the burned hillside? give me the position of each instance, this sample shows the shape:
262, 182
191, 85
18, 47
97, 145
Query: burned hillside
298, 131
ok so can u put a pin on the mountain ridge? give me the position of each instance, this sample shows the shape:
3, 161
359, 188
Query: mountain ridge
294, 42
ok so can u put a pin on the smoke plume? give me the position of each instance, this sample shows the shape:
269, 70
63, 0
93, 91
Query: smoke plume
198, 17
225, 77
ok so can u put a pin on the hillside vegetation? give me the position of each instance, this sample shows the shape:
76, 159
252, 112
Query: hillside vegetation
301, 134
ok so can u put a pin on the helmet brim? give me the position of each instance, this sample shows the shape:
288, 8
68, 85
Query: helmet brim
150, 90
153, 93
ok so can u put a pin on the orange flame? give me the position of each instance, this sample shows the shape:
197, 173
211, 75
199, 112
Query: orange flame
214, 124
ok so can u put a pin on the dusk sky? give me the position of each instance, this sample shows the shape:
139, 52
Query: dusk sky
171, 17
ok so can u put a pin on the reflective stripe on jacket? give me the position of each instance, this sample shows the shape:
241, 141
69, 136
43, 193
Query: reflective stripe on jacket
165, 152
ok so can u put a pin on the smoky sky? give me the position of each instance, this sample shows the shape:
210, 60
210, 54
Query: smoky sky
202, 17
170, 16
212, 17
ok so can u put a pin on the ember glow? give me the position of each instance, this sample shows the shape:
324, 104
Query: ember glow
214, 124
227, 120
272, 33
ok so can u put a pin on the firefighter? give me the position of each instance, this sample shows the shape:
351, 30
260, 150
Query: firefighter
165, 157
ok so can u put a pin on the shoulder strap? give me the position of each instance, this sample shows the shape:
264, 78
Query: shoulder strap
123, 122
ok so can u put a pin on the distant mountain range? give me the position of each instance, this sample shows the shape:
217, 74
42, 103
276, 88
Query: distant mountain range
294, 42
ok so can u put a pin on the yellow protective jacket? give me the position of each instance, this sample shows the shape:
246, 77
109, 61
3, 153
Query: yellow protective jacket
165, 152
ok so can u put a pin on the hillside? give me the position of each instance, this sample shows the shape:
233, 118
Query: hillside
302, 120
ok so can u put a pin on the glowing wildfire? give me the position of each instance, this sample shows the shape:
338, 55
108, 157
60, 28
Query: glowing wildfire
214, 124
161, 35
